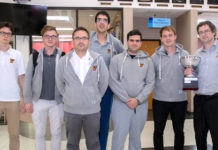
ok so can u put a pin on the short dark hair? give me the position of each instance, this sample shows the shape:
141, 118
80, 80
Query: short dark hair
167, 28
210, 24
7, 25
48, 28
134, 32
104, 13
80, 29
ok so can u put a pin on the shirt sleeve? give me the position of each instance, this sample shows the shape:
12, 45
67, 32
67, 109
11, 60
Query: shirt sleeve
149, 83
20, 64
115, 83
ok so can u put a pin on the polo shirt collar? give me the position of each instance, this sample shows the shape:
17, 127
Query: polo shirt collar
95, 38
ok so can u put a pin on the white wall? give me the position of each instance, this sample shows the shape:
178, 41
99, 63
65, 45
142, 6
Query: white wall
115, 3
141, 23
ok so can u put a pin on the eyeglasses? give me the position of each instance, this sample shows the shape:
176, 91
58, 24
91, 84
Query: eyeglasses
102, 20
204, 32
8, 34
50, 36
137, 41
80, 38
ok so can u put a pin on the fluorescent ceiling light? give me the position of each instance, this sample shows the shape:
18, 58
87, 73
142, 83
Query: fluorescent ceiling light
65, 40
34, 36
61, 36
65, 36
60, 40
63, 29
201, 20
60, 18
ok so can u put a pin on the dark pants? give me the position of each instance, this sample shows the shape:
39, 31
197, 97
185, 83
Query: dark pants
90, 124
106, 104
206, 118
177, 111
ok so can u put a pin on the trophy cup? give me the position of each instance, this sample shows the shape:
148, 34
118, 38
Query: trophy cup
190, 81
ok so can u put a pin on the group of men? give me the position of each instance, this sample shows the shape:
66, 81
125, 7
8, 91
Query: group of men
98, 78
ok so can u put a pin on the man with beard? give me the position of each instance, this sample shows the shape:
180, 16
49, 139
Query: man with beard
108, 46
169, 97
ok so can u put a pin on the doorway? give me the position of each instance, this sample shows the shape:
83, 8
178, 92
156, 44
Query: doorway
150, 46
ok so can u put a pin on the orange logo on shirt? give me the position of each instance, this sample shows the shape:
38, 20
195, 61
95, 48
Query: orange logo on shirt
11, 60
108, 51
94, 68
217, 55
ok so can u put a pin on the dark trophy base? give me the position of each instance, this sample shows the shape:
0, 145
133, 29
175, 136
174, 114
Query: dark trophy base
190, 83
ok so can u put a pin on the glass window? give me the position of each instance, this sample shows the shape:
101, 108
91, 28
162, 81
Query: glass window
86, 18
65, 22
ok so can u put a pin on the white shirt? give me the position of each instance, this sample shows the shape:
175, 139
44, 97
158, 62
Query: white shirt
81, 65
11, 66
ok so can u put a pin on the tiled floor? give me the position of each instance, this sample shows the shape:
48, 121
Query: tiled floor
146, 138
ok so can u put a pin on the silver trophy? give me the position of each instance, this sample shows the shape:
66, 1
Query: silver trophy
190, 81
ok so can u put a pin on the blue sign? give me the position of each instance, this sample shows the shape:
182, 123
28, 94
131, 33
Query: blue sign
158, 22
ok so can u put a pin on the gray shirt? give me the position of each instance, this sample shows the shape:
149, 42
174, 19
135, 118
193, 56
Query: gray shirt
208, 70
111, 47
82, 98
169, 74
131, 78
48, 76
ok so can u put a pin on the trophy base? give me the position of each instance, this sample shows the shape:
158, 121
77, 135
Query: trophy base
190, 83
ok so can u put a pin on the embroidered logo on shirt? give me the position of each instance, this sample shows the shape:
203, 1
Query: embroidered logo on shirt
108, 51
94, 67
141, 65
11, 60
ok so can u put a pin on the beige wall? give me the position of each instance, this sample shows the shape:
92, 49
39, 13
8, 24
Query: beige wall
187, 36
127, 22
141, 23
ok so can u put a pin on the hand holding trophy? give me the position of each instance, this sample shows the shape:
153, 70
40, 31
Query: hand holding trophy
190, 81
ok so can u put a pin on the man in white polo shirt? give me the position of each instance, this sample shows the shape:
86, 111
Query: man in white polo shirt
11, 81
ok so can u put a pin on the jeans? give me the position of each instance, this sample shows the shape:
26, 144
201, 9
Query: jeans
106, 104
42, 109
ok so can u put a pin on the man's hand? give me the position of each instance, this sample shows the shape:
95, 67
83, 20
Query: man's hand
188, 71
29, 107
132, 103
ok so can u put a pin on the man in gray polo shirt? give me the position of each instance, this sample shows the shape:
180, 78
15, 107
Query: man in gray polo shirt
108, 46
41, 96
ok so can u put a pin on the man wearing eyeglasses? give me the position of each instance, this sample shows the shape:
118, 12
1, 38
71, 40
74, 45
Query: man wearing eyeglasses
11, 83
82, 79
41, 96
108, 46
206, 98
132, 81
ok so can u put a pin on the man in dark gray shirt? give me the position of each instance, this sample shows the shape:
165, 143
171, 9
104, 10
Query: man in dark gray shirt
41, 96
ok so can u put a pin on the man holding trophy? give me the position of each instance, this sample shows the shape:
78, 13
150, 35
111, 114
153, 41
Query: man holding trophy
169, 97
206, 97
